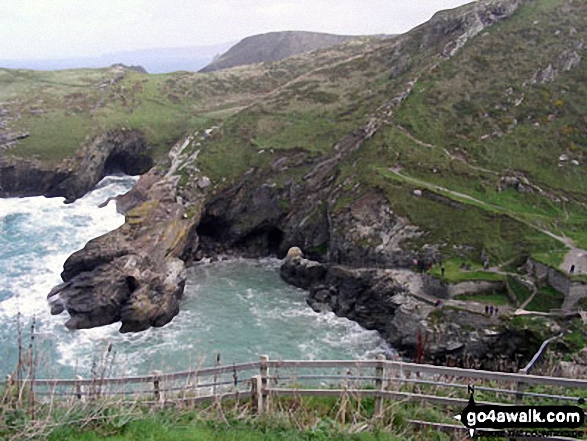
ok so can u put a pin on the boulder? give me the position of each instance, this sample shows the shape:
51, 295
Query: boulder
301, 272
293, 253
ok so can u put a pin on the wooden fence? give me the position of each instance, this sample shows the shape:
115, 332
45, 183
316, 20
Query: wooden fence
265, 380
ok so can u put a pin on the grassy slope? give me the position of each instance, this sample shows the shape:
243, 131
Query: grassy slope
307, 103
475, 94
84, 102
454, 105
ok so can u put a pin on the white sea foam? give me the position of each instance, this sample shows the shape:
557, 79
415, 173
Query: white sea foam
37, 234
237, 307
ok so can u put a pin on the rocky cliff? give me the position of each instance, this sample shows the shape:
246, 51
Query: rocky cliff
365, 155
117, 151
134, 274
402, 306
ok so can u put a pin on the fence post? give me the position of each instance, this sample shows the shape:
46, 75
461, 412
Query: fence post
256, 396
157, 385
264, 383
379, 369
520, 387
79, 390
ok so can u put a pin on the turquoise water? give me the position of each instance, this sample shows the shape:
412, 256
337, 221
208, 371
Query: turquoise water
237, 308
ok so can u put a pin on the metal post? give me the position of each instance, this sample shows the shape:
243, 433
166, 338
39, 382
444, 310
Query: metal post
379, 369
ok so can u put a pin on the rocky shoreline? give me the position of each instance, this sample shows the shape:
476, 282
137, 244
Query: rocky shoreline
136, 274
412, 312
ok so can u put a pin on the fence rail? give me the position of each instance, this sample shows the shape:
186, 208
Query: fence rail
265, 379
402, 367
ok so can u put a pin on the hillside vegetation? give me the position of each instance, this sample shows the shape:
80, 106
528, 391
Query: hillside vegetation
492, 134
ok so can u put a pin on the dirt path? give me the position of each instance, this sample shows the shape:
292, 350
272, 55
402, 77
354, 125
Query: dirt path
575, 256
445, 151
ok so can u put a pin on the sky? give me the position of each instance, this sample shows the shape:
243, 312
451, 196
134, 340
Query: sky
42, 29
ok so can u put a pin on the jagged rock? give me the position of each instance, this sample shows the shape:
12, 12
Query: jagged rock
401, 305
509, 182
133, 274
569, 60
302, 273
544, 76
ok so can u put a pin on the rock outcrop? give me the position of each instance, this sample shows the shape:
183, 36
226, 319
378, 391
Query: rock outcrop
134, 274
124, 151
409, 312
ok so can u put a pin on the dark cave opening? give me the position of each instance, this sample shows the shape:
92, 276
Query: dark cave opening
124, 163
132, 283
274, 240
263, 241
212, 228
217, 235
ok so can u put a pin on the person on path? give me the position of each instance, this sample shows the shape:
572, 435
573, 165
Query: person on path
491, 310
572, 268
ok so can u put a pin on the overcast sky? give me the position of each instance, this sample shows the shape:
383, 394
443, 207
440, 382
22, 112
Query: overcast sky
66, 28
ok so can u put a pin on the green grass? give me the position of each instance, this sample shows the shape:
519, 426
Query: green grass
454, 274
153, 430
47, 140
499, 299
553, 258
521, 292
546, 298
307, 419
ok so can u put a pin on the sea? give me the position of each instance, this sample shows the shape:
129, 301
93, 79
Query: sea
232, 311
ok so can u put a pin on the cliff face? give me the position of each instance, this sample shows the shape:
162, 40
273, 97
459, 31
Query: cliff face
134, 274
367, 154
122, 151
405, 308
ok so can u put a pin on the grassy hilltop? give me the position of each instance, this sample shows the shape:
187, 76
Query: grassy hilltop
480, 130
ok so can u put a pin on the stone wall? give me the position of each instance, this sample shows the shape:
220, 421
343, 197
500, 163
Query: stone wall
573, 291
577, 291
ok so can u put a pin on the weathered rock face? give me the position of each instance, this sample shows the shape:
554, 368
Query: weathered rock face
123, 151
402, 306
133, 274
27, 177
368, 231
454, 30
257, 217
